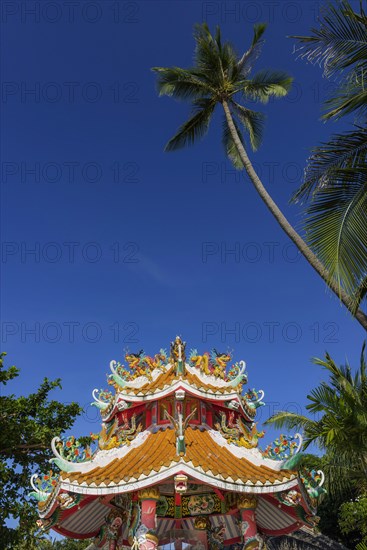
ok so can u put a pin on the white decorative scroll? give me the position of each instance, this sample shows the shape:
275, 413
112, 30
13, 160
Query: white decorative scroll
117, 378
321, 473
299, 444
98, 403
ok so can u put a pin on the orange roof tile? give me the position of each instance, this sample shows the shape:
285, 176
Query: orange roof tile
159, 450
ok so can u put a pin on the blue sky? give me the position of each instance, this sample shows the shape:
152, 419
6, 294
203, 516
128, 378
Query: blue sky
132, 245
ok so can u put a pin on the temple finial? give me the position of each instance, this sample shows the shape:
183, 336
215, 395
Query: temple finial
178, 356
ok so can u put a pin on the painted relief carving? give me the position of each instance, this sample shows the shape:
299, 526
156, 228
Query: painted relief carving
236, 431
114, 435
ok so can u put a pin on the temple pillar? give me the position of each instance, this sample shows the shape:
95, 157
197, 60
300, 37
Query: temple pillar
247, 505
148, 498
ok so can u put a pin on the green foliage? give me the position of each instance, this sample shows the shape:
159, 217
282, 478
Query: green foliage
340, 45
28, 424
353, 517
44, 543
339, 407
335, 182
338, 426
218, 76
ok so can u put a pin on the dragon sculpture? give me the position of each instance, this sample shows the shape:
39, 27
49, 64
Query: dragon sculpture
137, 364
117, 435
236, 431
158, 361
200, 361
219, 362
213, 364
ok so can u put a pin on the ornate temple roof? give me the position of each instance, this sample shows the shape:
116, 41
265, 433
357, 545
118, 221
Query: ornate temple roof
171, 417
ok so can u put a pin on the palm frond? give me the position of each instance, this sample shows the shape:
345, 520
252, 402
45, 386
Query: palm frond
351, 96
340, 46
196, 127
322, 398
340, 42
230, 146
289, 420
207, 57
252, 121
181, 83
246, 63
267, 83
336, 227
218, 37
347, 150
229, 61
340, 470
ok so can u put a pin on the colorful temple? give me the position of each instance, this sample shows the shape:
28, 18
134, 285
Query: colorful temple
177, 463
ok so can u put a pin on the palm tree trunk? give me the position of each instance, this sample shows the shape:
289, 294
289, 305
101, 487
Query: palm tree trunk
286, 226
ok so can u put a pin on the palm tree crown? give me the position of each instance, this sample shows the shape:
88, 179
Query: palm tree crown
220, 75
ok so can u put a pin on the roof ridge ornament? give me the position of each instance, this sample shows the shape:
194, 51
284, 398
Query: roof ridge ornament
69, 453
103, 403
42, 486
116, 377
178, 355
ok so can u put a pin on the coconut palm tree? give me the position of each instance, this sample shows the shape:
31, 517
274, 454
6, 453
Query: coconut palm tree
339, 425
220, 77
335, 183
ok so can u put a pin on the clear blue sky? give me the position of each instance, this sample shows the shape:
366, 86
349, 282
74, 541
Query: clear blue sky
132, 244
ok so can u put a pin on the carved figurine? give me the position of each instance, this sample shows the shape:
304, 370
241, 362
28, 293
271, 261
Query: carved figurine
237, 432
178, 355
220, 361
200, 361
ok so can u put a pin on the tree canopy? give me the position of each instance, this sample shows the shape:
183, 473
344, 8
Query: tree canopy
28, 424
339, 427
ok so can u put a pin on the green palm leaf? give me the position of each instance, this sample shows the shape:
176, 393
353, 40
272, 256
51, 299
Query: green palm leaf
245, 64
181, 83
196, 127
289, 420
348, 150
340, 45
351, 97
265, 84
336, 227
252, 121
335, 222
207, 57
341, 40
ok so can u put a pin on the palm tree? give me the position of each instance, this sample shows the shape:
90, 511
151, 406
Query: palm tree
340, 426
335, 182
220, 77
